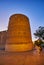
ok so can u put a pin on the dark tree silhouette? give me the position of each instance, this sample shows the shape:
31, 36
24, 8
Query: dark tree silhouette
39, 33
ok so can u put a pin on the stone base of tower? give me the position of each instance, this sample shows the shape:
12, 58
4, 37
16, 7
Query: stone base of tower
18, 47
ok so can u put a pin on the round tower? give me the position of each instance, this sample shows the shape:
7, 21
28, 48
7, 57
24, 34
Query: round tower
19, 34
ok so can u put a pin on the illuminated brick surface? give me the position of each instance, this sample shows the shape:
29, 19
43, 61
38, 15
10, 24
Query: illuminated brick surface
19, 34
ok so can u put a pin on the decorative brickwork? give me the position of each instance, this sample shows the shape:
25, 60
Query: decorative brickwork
19, 34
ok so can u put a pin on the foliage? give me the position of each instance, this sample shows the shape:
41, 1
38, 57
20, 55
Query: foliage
39, 33
38, 42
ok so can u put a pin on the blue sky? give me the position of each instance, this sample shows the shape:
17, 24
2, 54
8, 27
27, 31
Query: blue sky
34, 9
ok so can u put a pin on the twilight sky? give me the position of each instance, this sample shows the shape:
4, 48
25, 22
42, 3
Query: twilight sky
34, 9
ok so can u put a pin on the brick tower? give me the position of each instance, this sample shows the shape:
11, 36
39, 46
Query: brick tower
19, 34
